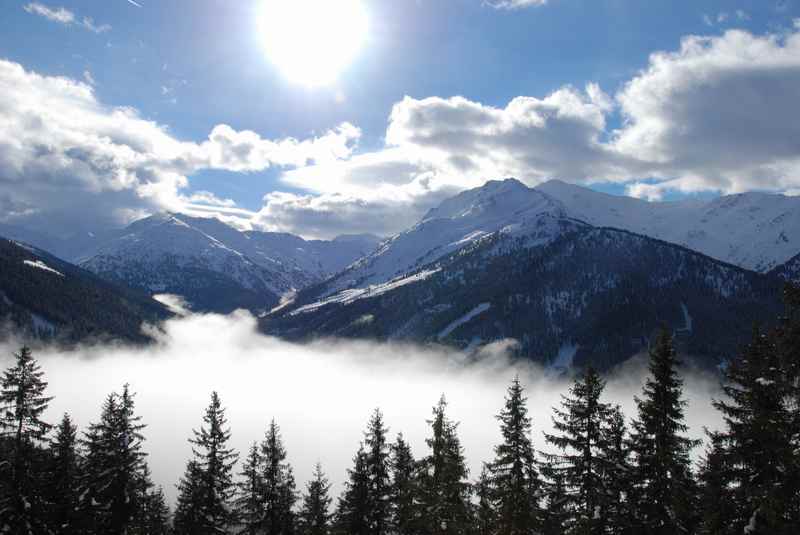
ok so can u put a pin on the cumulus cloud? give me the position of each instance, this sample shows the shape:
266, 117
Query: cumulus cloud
245, 150
719, 114
321, 394
64, 16
327, 215
438, 146
60, 147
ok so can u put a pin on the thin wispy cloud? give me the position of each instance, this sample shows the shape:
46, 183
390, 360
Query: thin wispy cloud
66, 17
134, 3
513, 4
59, 14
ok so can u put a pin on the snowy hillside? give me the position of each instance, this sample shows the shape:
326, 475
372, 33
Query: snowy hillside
506, 206
49, 298
215, 266
589, 295
756, 231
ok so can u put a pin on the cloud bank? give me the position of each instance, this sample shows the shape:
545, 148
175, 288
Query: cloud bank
60, 146
717, 114
320, 394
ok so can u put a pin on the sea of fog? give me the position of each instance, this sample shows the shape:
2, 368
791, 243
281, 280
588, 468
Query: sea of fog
321, 394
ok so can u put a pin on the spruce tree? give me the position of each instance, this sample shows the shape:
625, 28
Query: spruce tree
63, 478
152, 516
22, 402
556, 512
715, 496
514, 477
157, 513
209, 479
445, 491
114, 465
617, 473
314, 517
378, 467
485, 513
405, 489
279, 489
188, 519
250, 489
352, 511
758, 442
581, 439
665, 490
787, 345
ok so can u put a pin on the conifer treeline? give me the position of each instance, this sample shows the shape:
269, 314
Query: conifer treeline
603, 475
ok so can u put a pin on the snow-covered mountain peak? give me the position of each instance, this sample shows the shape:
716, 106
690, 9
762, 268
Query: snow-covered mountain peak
495, 198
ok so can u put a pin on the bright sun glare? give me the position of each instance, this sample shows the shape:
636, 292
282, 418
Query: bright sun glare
311, 41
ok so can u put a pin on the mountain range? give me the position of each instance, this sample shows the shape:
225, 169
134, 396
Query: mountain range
572, 274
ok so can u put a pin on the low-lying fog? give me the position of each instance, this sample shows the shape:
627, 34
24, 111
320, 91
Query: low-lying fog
321, 394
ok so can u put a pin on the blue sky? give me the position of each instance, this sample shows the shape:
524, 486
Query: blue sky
188, 66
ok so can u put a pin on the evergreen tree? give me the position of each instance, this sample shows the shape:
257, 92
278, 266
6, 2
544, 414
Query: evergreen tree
617, 472
352, 512
556, 512
158, 514
664, 489
114, 466
250, 489
152, 516
188, 516
378, 468
485, 514
63, 477
581, 439
445, 492
715, 498
207, 489
22, 402
315, 513
279, 490
405, 489
759, 417
787, 342
514, 478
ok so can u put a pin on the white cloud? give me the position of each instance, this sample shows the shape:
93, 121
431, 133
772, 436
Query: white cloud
245, 150
513, 4
59, 14
71, 161
328, 215
64, 16
89, 24
720, 113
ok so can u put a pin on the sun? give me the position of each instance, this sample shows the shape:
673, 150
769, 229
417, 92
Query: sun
312, 41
